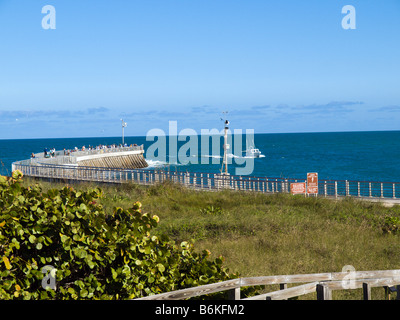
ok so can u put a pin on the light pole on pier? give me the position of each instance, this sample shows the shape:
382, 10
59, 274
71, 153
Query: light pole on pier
226, 146
124, 124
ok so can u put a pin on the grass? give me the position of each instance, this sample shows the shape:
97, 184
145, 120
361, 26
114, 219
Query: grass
278, 234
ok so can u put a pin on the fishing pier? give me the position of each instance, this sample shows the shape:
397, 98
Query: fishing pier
105, 157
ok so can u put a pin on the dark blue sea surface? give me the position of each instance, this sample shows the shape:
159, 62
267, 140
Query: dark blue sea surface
362, 156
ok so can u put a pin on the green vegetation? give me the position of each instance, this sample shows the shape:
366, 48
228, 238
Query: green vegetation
96, 255
259, 234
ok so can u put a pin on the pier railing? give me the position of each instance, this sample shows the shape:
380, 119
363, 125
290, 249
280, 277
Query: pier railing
87, 152
209, 181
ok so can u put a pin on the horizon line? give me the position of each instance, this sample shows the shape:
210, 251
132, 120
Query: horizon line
139, 136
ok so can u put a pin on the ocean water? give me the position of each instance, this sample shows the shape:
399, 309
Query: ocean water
362, 156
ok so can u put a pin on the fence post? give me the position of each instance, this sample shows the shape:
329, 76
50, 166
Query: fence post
394, 191
381, 190
398, 292
234, 294
323, 292
358, 189
283, 286
325, 189
366, 291
347, 188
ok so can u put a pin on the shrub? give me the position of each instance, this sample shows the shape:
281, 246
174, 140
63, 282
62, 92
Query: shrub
391, 225
92, 255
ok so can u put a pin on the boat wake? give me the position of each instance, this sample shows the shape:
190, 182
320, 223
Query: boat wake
260, 156
156, 163
160, 164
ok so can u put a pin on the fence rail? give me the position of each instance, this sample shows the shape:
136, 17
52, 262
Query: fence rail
209, 181
321, 283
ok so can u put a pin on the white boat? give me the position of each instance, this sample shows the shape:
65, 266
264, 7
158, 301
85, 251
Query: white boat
253, 152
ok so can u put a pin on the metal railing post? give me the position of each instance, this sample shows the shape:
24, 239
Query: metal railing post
336, 191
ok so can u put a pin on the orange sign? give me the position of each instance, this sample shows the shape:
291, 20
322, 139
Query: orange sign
312, 183
298, 188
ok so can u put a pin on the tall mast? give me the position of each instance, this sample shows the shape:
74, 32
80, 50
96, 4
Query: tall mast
226, 146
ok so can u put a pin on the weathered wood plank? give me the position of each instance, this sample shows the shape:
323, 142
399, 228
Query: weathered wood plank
358, 283
332, 276
286, 293
196, 291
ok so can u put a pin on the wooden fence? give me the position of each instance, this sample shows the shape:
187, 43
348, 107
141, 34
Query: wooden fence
320, 283
209, 181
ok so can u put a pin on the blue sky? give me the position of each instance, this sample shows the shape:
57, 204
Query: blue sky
276, 66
